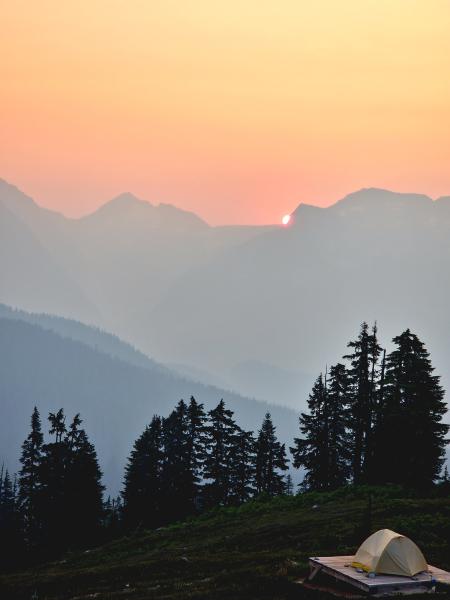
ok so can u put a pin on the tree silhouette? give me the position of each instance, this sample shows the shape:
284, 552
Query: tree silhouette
83, 490
10, 530
289, 485
411, 436
242, 466
71, 491
311, 451
176, 475
30, 500
196, 453
362, 375
221, 432
270, 460
337, 433
142, 493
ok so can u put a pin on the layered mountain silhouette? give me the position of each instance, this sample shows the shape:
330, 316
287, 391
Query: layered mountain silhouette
292, 297
261, 309
53, 362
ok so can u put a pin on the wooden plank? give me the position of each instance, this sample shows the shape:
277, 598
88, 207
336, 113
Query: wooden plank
339, 567
337, 570
314, 572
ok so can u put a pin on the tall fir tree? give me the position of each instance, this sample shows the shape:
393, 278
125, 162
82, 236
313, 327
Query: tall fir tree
176, 475
142, 495
53, 470
30, 482
71, 490
411, 436
221, 432
83, 489
311, 450
270, 460
196, 453
338, 443
242, 467
363, 358
323, 451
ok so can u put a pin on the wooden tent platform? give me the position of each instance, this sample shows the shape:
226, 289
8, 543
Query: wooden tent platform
338, 567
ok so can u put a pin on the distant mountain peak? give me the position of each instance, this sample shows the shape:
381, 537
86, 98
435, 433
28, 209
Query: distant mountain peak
370, 201
128, 207
123, 202
127, 198
380, 196
304, 208
305, 213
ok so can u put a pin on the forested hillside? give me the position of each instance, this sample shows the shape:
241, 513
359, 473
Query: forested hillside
116, 399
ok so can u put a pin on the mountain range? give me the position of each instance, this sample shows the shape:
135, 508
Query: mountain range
53, 362
260, 310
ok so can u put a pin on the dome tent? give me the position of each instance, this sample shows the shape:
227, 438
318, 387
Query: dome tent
390, 553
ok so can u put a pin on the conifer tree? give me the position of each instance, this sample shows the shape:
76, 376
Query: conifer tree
362, 373
53, 469
142, 493
7, 497
270, 460
242, 464
196, 453
83, 489
112, 512
338, 438
221, 432
71, 491
176, 474
289, 485
412, 442
324, 449
30, 482
10, 530
58, 425
311, 451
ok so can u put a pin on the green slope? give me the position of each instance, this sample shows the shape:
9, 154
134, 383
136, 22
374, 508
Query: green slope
257, 551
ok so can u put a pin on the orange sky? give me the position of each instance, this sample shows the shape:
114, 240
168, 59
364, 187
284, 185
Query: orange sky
236, 109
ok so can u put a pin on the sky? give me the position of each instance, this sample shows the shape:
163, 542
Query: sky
236, 110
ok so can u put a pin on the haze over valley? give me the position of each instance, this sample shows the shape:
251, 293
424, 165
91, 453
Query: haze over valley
234, 303
256, 312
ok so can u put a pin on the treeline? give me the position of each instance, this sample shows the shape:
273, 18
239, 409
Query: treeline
375, 418
181, 465
192, 461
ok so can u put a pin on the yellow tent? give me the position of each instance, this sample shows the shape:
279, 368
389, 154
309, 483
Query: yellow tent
390, 553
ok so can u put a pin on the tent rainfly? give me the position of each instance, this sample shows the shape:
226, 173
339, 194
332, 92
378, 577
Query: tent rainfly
390, 553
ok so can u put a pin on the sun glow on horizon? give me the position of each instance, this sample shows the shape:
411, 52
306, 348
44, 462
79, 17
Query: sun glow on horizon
286, 220
225, 109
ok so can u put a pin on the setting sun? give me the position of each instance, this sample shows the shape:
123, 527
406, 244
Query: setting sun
286, 219
222, 108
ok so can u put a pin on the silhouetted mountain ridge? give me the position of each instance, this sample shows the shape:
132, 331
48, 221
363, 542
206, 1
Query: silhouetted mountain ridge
221, 299
94, 337
138, 212
115, 398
